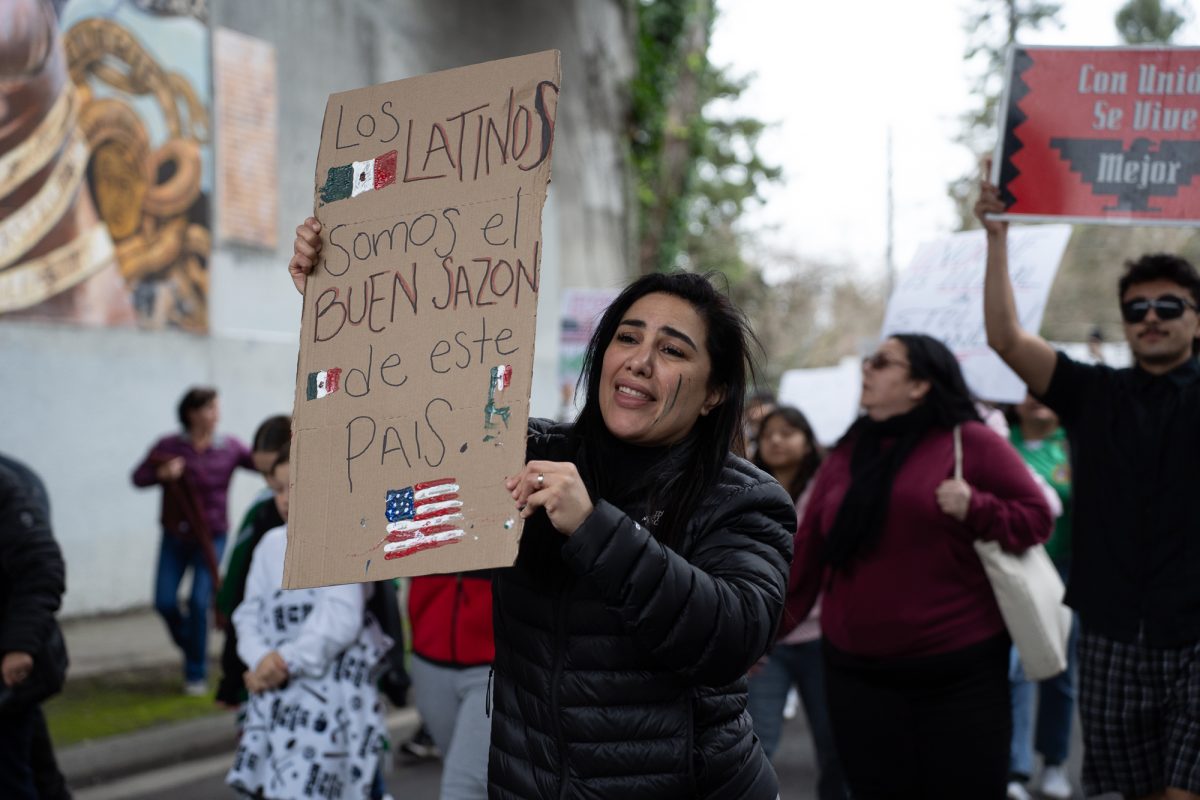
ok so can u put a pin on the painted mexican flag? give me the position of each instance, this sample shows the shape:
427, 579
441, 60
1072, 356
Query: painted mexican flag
501, 377
351, 180
323, 383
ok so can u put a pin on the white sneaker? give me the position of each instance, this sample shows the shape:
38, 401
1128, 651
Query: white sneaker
195, 688
1017, 791
792, 706
1054, 783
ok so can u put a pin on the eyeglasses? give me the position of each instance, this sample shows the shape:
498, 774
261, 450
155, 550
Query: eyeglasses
1165, 307
881, 361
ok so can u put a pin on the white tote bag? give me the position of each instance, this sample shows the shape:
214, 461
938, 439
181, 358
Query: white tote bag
1029, 592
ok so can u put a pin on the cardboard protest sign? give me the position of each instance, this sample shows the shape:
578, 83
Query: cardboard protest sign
941, 294
1107, 135
416, 351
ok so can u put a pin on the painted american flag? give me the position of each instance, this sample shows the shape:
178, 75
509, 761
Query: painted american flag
423, 516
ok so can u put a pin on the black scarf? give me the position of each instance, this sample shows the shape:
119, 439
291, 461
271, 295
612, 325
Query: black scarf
859, 522
628, 475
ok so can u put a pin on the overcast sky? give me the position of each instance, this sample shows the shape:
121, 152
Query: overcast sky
834, 76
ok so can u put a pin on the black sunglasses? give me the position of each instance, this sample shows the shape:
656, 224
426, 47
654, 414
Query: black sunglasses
1165, 307
881, 361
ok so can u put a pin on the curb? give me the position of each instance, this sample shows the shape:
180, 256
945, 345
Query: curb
115, 757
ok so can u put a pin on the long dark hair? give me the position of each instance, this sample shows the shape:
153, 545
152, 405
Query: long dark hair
949, 400
948, 397
795, 418
695, 464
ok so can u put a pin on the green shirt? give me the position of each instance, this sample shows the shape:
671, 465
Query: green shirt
234, 582
1049, 458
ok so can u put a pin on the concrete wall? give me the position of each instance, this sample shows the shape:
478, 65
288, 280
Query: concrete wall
90, 405
85, 403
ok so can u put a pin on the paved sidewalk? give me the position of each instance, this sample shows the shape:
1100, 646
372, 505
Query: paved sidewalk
129, 640
203, 778
135, 639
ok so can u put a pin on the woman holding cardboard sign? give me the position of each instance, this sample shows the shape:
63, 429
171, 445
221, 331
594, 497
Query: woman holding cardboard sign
652, 567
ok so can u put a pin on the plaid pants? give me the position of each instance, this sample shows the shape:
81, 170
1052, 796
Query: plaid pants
1140, 708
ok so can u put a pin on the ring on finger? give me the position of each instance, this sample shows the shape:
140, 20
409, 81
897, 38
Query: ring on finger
541, 480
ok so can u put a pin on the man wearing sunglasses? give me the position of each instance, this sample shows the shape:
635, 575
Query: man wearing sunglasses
1135, 546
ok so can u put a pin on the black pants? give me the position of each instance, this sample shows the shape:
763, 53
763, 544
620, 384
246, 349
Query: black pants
28, 770
927, 728
47, 778
16, 738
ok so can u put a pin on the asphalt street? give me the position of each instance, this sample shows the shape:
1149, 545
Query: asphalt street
205, 779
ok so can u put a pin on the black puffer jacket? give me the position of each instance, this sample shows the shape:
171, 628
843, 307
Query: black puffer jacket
620, 663
32, 582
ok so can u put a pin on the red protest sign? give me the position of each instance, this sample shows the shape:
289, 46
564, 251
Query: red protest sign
1101, 134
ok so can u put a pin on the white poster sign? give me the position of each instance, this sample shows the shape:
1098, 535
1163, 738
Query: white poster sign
941, 294
828, 396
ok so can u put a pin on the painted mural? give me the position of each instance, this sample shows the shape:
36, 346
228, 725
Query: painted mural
106, 174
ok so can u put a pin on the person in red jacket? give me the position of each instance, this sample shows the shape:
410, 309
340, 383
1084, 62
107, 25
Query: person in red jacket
453, 649
916, 652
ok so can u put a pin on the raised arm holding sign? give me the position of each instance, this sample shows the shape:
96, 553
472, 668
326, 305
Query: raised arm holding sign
1028, 354
1132, 577
1110, 136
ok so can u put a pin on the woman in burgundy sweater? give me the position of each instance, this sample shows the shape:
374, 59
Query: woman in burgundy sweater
916, 652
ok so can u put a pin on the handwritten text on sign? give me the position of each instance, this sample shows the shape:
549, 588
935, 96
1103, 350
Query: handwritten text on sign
417, 340
1103, 134
941, 294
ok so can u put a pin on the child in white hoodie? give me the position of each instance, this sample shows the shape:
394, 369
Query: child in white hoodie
314, 725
